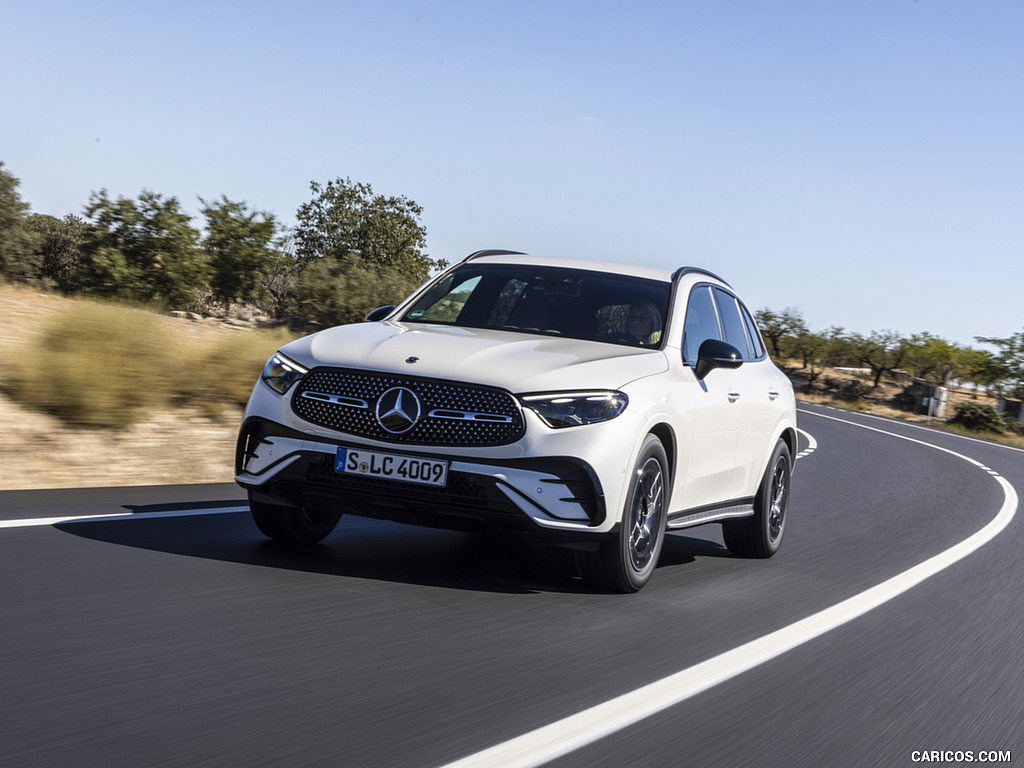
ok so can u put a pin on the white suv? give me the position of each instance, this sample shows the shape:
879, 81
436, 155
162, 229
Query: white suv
590, 404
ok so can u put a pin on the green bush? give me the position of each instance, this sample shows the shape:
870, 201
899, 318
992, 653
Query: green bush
978, 417
333, 291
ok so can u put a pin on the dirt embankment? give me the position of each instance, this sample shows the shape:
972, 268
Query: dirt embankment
38, 451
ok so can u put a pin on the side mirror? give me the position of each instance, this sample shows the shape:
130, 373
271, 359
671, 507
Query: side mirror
379, 314
714, 353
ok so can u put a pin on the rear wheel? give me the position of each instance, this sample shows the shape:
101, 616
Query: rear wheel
626, 562
761, 535
292, 524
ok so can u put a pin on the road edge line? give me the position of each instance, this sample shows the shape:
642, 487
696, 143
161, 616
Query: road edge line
45, 521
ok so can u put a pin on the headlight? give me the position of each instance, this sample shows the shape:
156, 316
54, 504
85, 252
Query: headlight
280, 373
574, 409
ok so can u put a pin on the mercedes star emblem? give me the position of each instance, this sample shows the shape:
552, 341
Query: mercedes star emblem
398, 410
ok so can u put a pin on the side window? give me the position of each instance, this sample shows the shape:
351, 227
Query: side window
732, 323
701, 322
756, 345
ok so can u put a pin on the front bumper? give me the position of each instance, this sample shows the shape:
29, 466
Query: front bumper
552, 497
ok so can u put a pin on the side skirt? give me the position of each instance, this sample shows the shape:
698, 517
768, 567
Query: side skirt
689, 517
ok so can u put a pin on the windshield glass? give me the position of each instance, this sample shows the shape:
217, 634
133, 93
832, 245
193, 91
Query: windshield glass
552, 301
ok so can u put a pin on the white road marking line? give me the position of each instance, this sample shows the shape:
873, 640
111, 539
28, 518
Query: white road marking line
913, 426
43, 521
812, 444
576, 731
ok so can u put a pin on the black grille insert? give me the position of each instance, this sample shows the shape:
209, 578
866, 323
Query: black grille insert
451, 413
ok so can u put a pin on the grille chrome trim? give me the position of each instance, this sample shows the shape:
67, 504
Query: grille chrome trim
494, 418
352, 402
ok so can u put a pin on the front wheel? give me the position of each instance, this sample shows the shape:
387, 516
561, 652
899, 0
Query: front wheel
291, 524
626, 562
761, 535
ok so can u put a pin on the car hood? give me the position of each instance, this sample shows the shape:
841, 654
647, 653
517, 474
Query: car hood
514, 361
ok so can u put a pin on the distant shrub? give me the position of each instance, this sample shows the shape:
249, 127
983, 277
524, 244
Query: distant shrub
978, 417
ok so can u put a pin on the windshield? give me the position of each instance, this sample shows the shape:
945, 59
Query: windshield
552, 301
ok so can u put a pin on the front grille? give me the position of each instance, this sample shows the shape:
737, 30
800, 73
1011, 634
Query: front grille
452, 414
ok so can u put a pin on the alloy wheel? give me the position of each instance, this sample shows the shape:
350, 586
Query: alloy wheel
646, 513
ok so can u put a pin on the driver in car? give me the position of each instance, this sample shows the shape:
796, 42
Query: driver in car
643, 323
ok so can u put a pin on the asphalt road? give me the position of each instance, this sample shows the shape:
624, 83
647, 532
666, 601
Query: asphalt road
159, 639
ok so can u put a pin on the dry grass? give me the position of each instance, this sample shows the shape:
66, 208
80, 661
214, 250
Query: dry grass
862, 406
99, 394
95, 364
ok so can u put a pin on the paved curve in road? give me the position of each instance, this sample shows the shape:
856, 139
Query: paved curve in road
164, 639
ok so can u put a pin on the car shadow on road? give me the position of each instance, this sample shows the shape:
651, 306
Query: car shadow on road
362, 548
679, 549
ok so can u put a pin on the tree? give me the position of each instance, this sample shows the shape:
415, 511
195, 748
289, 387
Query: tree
981, 368
355, 251
145, 251
18, 258
776, 326
346, 218
334, 291
818, 351
882, 351
58, 247
812, 350
243, 249
1010, 358
935, 360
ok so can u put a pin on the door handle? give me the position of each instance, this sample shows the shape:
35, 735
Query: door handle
773, 395
733, 396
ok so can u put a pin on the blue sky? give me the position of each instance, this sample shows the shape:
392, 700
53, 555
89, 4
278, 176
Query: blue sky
860, 161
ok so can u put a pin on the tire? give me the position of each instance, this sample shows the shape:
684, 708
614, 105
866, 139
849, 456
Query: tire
291, 524
761, 535
626, 562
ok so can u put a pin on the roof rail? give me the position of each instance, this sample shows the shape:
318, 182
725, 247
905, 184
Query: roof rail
492, 252
695, 271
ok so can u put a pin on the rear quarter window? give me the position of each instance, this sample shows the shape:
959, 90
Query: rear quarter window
732, 322
754, 335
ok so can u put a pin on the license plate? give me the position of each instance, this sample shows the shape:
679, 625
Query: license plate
393, 467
